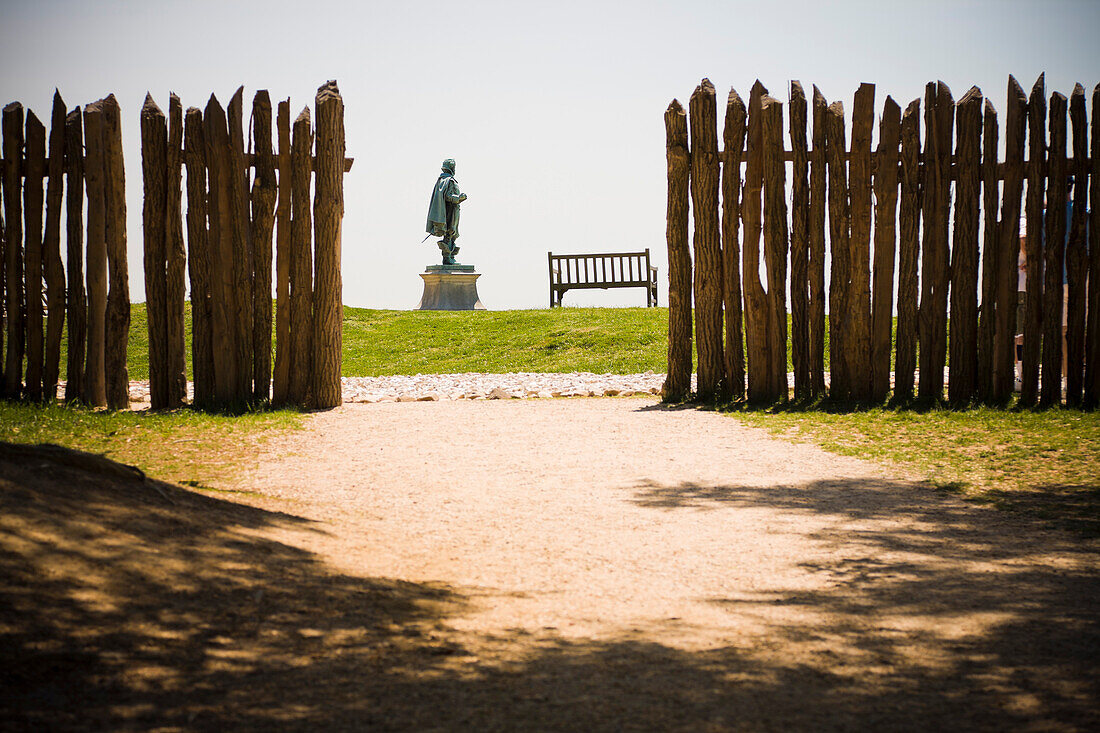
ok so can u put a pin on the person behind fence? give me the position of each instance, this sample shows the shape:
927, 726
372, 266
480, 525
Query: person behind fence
443, 212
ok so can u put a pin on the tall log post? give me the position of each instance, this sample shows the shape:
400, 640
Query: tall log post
223, 296
175, 253
301, 268
1077, 253
74, 243
702, 110
13, 261
328, 213
905, 359
935, 276
1054, 252
800, 245
1005, 328
990, 302
858, 310
264, 192
840, 343
678, 382
886, 202
756, 317
776, 246
1092, 326
280, 381
117, 332
34, 175
95, 384
816, 236
242, 247
733, 138
154, 159
963, 334
1033, 246
51, 253
3, 273
198, 260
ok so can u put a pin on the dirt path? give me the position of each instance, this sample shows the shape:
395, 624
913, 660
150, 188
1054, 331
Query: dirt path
611, 563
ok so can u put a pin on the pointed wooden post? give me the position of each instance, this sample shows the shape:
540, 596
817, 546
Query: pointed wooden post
776, 246
95, 384
800, 246
175, 255
733, 140
990, 301
886, 200
199, 260
117, 332
1092, 327
706, 243
13, 260
154, 154
34, 175
1077, 253
963, 335
242, 264
840, 342
51, 253
1036, 194
223, 296
858, 311
264, 192
1054, 254
905, 359
301, 268
816, 237
678, 382
74, 245
756, 317
1005, 328
280, 381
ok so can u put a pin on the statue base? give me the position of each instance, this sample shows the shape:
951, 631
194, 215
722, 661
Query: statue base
450, 288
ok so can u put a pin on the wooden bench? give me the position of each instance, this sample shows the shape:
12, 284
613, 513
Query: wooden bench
603, 271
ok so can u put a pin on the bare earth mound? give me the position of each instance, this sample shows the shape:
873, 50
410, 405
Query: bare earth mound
567, 564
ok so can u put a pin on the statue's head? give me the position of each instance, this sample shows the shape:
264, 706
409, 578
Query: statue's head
449, 166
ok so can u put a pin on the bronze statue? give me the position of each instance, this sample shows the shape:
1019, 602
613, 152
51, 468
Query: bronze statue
443, 212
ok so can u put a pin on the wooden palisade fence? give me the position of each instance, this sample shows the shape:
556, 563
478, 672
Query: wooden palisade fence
225, 249
943, 222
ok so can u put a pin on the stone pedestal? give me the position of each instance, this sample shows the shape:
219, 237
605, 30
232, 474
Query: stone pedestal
450, 288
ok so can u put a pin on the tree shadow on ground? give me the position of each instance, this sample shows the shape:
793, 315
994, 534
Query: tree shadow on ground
132, 604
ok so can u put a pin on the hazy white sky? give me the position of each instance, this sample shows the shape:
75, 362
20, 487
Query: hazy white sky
553, 111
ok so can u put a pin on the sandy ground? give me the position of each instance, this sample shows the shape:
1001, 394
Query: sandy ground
622, 524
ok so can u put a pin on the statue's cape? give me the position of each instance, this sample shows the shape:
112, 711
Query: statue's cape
445, 187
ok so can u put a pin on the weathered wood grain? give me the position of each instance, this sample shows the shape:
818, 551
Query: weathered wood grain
858, 310
989, 256
702, 113
1006, 326
734, 352
12, 124
117, 329
281, 375
95, 383
175, 261
776, 246
154, 160
1092, 326
199, 260
678, 382
1054, 255
963, 335
34, 174
76, 298
328, 213
1077, 253
886, 210
909, 211
840, 342
301, 266
264, 192
223, 296
800, 245
54, 268
756, 319
1033, 248
816, 240
238, 174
